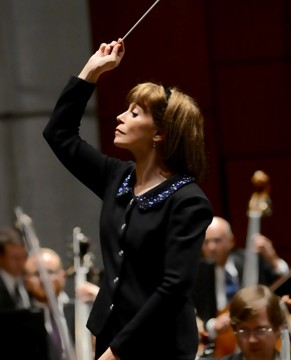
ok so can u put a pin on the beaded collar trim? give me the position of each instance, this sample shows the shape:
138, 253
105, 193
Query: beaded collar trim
157, 195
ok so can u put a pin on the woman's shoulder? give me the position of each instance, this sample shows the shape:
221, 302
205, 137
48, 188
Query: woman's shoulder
185, 190
192, 190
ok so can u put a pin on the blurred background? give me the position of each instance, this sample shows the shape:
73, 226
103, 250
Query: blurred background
233, 57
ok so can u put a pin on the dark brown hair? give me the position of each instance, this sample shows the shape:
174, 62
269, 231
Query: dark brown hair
180, 121
248, 301
9, 236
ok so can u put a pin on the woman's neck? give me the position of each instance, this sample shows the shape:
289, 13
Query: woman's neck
151, 171
149, 176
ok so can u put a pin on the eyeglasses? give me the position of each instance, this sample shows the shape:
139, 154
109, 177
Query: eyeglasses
258, 333
37, 275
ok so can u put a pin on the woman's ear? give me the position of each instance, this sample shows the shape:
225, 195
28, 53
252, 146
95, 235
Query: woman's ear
158, 137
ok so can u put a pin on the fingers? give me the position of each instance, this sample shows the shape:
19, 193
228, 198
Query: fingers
121, 42
114, 47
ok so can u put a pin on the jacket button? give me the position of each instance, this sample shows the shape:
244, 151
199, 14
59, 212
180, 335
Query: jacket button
123, 226
116, 279
111, 306
120, 253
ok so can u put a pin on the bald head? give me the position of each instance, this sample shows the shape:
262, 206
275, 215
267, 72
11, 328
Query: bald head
51, 262
219, 241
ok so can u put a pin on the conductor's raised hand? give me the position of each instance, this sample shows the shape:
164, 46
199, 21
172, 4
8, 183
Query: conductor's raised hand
106, 58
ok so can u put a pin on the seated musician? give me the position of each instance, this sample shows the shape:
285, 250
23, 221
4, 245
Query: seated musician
51, 262
12, 259
220, 277
259, 325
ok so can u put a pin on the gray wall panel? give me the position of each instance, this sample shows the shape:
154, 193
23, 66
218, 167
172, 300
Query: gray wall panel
41, 44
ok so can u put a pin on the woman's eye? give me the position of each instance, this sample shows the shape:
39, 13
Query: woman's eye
134, 114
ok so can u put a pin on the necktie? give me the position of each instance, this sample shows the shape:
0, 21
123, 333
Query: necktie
231, 286
56, 338
17, 297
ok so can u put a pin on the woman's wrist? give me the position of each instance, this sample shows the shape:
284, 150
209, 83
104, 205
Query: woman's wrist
89, 74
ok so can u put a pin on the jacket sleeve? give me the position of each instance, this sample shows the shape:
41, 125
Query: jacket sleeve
84, 161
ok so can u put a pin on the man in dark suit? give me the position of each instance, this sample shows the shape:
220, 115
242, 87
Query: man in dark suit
12, 259
48, 294
220, 275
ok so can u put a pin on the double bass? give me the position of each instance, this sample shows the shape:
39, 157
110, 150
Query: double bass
259, 206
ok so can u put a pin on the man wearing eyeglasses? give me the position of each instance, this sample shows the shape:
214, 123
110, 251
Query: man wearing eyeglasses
259, 325
45, 280
220, 276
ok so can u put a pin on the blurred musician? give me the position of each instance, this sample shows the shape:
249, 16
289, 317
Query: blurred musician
221, 273
12, 259
259, 325
52, 263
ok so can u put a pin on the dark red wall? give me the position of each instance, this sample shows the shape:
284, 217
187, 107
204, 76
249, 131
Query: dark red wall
233, 57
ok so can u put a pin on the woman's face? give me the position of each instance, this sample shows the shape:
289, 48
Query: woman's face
135, 130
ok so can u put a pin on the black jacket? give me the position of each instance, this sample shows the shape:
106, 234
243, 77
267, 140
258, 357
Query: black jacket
150, 244
7, 302
205, 292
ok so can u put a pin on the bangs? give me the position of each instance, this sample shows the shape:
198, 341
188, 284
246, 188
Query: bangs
146, 95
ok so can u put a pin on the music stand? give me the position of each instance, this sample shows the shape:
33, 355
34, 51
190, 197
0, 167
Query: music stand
23, 334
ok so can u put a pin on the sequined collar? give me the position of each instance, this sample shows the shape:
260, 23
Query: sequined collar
157, 195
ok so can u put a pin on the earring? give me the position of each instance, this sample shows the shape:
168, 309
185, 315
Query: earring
154, 144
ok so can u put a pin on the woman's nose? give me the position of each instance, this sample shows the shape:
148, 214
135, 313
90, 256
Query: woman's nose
119, 117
